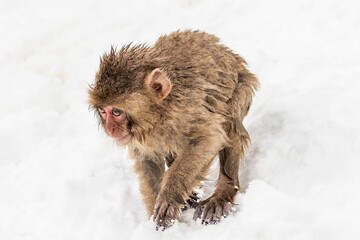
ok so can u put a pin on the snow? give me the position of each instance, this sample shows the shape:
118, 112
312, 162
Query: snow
62, 178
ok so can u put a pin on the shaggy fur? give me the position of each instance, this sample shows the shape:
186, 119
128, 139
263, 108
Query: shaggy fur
201, 117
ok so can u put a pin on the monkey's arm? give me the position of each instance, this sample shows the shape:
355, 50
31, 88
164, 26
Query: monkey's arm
150, 173
182, 177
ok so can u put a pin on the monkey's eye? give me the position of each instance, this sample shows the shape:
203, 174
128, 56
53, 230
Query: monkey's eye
116, 112
101, 110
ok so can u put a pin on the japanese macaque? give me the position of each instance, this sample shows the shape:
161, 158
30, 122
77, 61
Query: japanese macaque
181, 103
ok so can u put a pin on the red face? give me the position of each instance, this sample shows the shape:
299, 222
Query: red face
115, 123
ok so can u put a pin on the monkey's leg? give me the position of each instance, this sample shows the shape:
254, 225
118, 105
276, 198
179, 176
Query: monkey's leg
150, 173
220, 203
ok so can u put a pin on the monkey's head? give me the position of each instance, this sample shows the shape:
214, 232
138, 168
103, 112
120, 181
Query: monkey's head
128, 93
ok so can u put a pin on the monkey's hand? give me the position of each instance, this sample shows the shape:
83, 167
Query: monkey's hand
192, 202
166, 211
211, 210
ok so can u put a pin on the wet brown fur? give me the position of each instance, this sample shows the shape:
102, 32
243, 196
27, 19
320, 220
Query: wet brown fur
201, 117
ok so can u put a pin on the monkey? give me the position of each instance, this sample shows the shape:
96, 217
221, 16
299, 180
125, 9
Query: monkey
180, 103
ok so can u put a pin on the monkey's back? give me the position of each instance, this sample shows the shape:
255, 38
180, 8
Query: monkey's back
211, 61
198, 61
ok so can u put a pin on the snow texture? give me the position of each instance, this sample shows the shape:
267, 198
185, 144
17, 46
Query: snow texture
62, 178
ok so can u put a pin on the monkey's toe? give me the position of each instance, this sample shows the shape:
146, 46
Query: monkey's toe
211, 210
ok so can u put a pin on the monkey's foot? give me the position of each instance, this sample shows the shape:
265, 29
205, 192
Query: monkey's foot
212, 209
165, 214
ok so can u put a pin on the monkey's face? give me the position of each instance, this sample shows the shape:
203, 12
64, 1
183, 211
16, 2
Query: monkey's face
115, 123
129, 109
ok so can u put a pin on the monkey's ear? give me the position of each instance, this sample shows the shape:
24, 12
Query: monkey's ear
158, 83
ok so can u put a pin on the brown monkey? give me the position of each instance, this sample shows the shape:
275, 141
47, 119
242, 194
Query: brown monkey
180, 102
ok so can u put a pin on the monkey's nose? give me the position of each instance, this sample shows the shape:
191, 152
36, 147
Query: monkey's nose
110, 129
112, 132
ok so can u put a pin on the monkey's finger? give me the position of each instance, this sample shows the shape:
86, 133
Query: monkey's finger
155, 213
218, 214
207, 215
227, 209
197, 213
159, 220
194, 196
159, 213
156, 210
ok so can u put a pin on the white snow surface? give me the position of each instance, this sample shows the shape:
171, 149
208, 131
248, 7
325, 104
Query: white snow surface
62, 178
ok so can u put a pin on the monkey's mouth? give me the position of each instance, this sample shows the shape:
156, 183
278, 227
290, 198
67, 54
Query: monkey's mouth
124, 139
